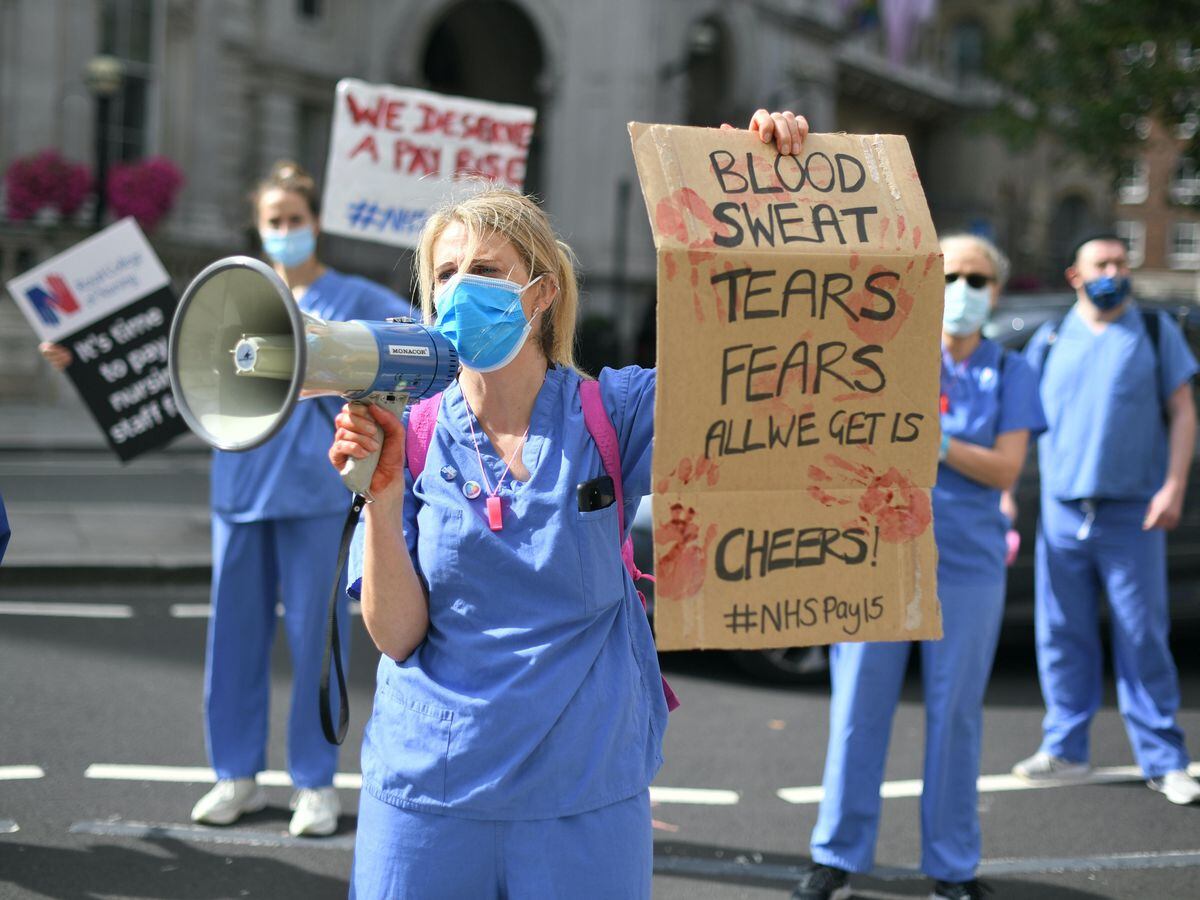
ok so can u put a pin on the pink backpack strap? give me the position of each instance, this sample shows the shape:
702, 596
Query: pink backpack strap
422, 420
600, 427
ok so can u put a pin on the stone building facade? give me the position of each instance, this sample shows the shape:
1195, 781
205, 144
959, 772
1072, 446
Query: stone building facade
225, 87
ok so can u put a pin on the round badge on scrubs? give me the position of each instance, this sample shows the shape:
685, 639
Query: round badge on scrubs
449, 473
471, 490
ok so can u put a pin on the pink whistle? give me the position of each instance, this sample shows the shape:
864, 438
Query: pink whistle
495, 514
1013, 541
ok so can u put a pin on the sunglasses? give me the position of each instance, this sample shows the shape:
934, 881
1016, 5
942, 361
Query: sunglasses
975, 280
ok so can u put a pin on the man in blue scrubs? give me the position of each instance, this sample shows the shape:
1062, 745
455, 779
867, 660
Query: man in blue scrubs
1114, 468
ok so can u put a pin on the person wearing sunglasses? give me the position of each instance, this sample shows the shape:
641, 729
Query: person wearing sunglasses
989, 408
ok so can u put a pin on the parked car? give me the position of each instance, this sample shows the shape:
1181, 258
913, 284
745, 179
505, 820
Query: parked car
1018, 317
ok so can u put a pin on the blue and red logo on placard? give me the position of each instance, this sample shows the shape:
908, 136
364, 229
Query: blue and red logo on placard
57, 298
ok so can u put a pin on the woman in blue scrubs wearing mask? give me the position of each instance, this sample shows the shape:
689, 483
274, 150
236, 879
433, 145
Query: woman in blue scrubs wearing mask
278, 512
989, 408
519, 715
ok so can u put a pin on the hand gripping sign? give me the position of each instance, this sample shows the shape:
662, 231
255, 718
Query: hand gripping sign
796, 427
109, 300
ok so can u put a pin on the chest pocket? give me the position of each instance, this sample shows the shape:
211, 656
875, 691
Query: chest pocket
600, 562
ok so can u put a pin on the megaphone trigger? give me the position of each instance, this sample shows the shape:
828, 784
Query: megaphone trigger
357, 473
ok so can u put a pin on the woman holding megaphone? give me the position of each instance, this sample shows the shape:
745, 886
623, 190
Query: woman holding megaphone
519, 714
277, 517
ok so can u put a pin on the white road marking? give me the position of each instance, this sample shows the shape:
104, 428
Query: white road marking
749, 864
695, 796
8, 826
204, 610
352, 781
200, 775
244, 836
987, 784
69, 610
20, 773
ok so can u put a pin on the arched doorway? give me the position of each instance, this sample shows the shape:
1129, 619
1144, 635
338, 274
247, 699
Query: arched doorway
490, 49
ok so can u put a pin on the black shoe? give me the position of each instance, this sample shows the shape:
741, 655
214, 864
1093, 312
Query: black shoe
822, 883
959, 890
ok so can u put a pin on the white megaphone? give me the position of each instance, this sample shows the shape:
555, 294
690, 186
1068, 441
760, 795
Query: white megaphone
242, 354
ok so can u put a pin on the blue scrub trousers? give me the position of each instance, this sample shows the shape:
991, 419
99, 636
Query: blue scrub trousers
603, 854
867, 678
1130, 566
255, 564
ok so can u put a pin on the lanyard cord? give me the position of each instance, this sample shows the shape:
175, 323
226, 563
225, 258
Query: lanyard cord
479, 456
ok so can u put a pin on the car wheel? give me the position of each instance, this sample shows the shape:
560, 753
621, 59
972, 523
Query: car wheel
785, 665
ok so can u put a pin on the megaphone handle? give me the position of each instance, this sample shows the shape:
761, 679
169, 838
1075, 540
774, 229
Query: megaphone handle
357, 473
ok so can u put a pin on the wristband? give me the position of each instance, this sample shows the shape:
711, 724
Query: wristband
944, 447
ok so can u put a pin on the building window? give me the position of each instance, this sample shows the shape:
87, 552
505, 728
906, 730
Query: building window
310, 9
313, 143
968, 45
127, 32
1134, 184
1184, 249
1185, 181
1133, 233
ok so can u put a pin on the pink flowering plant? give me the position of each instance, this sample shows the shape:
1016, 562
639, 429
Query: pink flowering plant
145, 189
46, 180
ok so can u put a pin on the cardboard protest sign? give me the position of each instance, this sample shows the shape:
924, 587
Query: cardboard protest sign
109, 300
796, 424
394, 151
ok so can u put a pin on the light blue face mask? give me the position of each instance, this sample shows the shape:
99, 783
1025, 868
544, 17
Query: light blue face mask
484, 320
289, 248
966, 308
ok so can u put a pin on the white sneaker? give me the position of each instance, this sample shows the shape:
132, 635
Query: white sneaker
317, 811
1043, 767
228, 801
1178, 787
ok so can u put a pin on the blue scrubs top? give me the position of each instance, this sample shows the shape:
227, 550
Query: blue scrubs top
290, 476
1103, 394
536, 692
980, 404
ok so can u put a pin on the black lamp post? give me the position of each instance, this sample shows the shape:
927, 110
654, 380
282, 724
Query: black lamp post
103, 75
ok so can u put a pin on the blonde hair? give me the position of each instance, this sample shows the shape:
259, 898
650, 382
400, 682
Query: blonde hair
521, 221
1000, 263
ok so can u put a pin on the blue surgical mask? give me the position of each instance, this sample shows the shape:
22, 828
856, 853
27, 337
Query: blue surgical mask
966, 308
483, 319
1107, 292
289, 248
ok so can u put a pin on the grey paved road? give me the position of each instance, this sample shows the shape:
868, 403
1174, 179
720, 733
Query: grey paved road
82, 692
